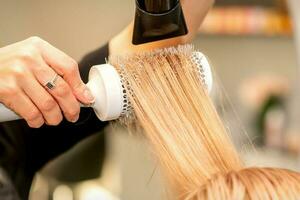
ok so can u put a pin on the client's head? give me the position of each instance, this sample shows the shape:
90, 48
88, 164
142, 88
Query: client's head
250, 184
174, 110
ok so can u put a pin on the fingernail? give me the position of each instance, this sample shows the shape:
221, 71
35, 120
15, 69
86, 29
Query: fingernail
75, 119
88, 95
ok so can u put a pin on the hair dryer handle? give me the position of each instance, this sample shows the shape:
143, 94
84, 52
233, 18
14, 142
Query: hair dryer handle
7, 114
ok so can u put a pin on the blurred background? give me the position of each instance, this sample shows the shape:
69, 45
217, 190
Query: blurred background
250, 44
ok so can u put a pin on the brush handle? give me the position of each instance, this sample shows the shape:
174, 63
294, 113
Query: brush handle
8, 115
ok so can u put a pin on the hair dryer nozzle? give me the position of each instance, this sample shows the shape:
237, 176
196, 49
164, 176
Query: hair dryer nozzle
158, 20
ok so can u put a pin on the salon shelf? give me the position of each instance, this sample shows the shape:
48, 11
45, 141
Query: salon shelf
247, 20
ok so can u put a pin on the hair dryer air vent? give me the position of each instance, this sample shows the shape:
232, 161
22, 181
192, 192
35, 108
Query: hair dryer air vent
158, 20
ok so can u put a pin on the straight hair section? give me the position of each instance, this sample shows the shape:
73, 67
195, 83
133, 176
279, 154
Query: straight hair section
173, 108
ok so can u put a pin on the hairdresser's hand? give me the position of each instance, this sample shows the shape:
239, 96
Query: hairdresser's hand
25, 68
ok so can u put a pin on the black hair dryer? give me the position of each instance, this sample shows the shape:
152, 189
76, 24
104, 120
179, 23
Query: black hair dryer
158, 20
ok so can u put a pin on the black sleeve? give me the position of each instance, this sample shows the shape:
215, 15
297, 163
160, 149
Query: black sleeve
23, 150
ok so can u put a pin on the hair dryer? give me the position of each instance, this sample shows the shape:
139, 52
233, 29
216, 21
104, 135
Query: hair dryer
158, 20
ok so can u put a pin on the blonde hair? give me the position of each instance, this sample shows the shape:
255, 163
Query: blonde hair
174, 110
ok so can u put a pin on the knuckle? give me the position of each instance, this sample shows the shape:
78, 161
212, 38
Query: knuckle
34, 116
48, 104
80, 87
73, 112
72, 67
39, 70
36, 124
62, 90
35, 40
55, 121
8, 103
13, 91
73, 64
19, 71
28, 54
10, 91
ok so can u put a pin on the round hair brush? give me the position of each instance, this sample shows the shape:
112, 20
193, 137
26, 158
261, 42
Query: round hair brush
110, 96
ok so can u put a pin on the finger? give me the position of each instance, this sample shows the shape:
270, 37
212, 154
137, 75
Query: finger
42, 99
67, 67
66, 99
23, 106
62, 92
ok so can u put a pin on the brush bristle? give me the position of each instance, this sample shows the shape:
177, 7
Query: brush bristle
133, 65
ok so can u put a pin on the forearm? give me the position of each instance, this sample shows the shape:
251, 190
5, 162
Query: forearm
194, 12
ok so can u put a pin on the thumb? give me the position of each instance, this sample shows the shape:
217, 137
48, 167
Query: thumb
83, 93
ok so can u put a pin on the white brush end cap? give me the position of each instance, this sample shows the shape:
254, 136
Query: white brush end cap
105, 85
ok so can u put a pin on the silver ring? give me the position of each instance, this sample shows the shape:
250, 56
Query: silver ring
51, 84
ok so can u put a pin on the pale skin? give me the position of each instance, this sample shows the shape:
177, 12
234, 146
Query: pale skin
26, 66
